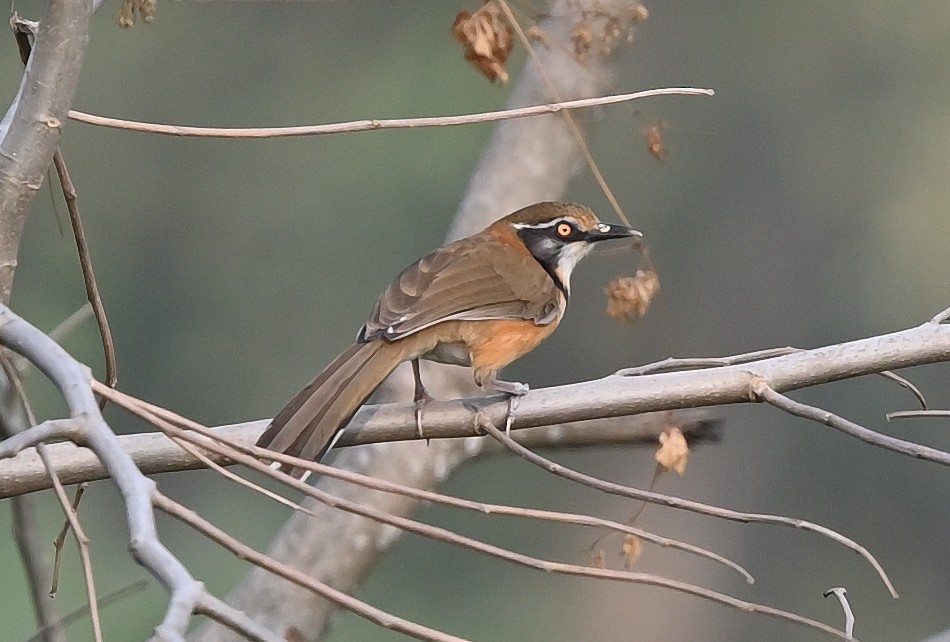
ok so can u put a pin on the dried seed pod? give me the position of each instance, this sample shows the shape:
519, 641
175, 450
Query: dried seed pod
487, 39
673, 451
631, 550
629, 297
653, 135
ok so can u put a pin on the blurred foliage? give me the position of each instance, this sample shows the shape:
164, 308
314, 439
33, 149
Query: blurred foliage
804, 204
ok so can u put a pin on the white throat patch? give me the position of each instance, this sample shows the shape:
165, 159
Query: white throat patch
568, 259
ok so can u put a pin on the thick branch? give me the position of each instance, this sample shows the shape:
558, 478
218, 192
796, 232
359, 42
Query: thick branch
30, 130
154, 453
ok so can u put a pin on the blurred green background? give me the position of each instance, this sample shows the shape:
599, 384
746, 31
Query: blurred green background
805, 204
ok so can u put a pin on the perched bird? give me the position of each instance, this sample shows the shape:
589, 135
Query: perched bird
482, 301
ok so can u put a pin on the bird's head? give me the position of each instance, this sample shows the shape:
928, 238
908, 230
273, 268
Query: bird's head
559, 235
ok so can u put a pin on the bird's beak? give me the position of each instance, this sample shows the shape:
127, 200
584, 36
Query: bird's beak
605, 232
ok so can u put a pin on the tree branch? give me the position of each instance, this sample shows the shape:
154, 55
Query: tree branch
87, 426
30, 130
154, 453
377, 123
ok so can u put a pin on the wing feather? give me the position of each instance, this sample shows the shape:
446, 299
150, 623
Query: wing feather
471, 279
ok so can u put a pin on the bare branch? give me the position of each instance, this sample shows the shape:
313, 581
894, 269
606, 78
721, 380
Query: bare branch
842, 595
941, 317
30, 130
60, 540
673, 363
485, 423
248, 455
82, 543
87, 426
613, 396
907, 414
154, 453
15, 416
103, 601
377, 124
424, 633
377, 616
761, 390
88, 275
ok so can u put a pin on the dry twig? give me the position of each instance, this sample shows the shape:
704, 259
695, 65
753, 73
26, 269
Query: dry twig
226, 541
88, 275
170, 422
86, 426
486, 424
763, 392
377, 123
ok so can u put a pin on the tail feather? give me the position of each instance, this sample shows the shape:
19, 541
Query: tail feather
310, 422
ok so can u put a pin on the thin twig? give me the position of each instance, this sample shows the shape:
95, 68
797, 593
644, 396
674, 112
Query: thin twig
86, 426
907, 414
674, 363
82, 543
941, 317
762, 391
190, 448
234, 619
104, 601
167, 420
243, 551
60, 332
16, 415
60, 541
679, 363
612, 488
88, 275
239, 453
568, 118
376, 124
240, 549
842, 596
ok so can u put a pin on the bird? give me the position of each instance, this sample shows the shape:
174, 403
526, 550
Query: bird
482, 301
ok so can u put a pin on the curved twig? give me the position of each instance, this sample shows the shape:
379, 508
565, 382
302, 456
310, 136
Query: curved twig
485, 423
376, 124
764, 392
87, 427
168, 422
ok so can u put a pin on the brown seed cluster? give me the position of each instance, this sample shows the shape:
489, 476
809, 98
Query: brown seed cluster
487, 39
653, 135
629, 297
600, 29
125, 17
673, 452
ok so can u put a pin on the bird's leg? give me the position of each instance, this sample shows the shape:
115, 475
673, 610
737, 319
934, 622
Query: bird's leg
420, 396
487, 380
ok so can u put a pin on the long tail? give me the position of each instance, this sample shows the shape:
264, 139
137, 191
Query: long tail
309, 423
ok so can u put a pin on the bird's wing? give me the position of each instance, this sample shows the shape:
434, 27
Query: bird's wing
471, 279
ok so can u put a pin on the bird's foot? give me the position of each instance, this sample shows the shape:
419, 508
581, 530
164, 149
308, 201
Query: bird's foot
513, 388
421, 401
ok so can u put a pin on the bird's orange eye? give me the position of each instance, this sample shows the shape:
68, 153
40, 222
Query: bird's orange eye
563, 229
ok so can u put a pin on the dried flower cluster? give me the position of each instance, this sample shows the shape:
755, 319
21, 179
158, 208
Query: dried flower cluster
631, 550
629, 297
673, 451
487, 39
125, 17
600, 30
